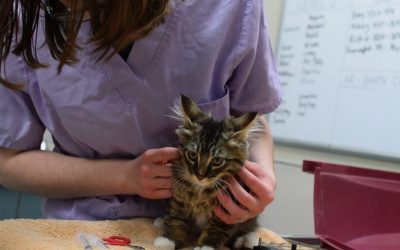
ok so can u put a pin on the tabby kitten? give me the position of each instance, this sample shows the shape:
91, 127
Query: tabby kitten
211, 152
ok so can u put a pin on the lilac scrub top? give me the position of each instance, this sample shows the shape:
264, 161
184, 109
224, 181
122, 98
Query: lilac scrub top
216, 52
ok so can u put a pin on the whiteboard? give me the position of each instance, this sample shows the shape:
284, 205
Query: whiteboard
339, 64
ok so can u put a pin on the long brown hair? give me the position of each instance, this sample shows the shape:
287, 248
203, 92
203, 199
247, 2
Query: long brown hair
114, 24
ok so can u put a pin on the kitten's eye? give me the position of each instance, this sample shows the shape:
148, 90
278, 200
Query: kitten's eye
216, 161
191, 155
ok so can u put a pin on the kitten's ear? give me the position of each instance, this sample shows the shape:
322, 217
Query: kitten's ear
190, 109
243, 124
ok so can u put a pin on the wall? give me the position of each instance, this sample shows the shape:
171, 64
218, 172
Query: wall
273, 11
292, 211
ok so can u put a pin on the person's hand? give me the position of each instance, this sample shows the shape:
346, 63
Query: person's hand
249, 203
151, 173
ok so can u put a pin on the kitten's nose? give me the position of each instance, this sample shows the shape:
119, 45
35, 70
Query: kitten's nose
200, 174
200, 177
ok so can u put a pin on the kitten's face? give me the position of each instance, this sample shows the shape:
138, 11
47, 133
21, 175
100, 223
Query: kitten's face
212, 150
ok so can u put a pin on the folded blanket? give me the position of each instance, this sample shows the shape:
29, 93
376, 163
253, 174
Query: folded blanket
44, 234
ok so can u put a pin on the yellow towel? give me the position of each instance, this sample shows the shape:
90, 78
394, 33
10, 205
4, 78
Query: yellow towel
26, 234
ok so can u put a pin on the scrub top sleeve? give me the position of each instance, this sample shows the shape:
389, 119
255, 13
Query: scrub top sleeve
254, 85
20, 126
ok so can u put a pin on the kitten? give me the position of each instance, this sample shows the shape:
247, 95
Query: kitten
211, 152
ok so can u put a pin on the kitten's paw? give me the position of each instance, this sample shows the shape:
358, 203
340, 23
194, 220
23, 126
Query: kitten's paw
164, 242
248, 240
159, 222
204, 248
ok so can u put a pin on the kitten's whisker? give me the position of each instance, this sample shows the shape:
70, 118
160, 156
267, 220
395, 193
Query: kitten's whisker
224, 188
226, 183
215, 187
220, 187
179, 179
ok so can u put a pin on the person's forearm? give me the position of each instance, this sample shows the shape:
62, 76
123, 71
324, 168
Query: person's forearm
55, 175
262, 149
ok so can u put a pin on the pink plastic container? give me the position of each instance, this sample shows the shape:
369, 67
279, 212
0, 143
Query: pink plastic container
356, 208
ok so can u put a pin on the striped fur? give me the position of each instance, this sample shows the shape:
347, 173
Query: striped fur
211, 152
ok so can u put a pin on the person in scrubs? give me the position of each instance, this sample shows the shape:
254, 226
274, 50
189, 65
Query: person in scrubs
102, 76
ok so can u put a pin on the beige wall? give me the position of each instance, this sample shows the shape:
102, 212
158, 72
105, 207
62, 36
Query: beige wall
273, 10
292, 211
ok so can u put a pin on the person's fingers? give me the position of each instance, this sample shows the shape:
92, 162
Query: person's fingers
259, 182
224, 216
252, 181
254, 168
234, 209
161, 171
162, 193
245, 198
161, 154
162, 183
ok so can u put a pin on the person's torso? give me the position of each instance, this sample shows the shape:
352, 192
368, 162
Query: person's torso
120, 109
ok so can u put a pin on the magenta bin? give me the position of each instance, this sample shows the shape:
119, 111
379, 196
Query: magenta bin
355, 208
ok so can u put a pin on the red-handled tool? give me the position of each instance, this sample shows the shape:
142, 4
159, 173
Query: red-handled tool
121, 241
